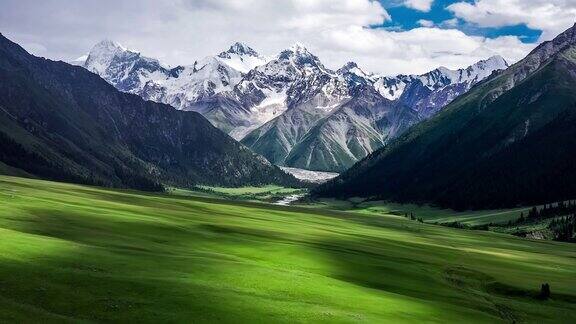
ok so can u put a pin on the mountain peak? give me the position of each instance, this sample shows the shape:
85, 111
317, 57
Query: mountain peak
103, 53
495, 62
348, 66
241, 57
241, 49
298, 48
108, 46
299, 51
352, 67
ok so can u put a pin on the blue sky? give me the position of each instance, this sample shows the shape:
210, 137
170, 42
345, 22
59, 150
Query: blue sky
404, 18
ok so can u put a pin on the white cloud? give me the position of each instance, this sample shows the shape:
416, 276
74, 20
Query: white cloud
425, 23
181, 31
550, 16
450, 23
421, 5
510, 47
418, 50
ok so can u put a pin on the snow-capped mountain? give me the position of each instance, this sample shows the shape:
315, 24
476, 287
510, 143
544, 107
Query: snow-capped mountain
429, 92
184, 87
290, 107
363, 113
294, 77
127, 70
241, 57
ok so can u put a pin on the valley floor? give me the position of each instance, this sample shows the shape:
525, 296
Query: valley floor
72, 253
428, 214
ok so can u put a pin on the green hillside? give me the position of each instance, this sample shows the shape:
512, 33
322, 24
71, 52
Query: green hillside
507, 142
72, 253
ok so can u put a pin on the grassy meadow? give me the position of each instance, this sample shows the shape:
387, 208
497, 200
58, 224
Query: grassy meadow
73, 253
268, 193
429, 214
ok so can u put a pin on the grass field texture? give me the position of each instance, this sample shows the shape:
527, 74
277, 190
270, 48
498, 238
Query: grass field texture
72, 253
268, 193
428, 213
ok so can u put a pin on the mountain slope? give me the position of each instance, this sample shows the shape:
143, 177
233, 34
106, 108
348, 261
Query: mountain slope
430, 92
291, 108
61, 122
508, 141
364, 114
358, 127
192, 87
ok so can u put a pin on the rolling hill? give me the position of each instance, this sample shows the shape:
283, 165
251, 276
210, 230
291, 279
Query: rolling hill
74, 253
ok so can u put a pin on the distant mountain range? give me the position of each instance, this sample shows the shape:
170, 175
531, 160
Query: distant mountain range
59, 121
509, 141
291, 108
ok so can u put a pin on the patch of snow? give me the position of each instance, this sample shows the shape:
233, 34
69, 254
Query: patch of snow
243, 63
272, 106
80, 60
309, 175
390, 88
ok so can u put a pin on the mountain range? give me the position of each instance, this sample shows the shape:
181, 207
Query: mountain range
59, 121
509, 141
290, 108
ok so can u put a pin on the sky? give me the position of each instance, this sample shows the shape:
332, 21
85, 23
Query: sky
387, 36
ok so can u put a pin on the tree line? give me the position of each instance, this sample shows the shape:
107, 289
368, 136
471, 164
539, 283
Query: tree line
563, 223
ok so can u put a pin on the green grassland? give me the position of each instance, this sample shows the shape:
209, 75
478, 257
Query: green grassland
73, 253
267, 193
251, 190
428, 214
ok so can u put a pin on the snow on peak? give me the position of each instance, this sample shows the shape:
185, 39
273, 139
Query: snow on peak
474, 73
482, 69
300, 56
296, 51
495, 62
103, 54
298, 48
254, 89
241, 49
107, 46
393, 87
241, 57
348, 66
352, 67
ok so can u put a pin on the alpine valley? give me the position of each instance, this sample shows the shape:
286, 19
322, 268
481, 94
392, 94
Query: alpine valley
62, 122
251, 188
290, 108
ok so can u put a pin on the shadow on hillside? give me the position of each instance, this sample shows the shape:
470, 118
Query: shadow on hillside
133, 269
388, 266
117, 270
